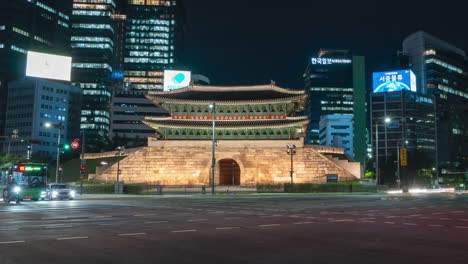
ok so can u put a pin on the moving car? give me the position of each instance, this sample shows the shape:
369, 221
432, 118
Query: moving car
58, 191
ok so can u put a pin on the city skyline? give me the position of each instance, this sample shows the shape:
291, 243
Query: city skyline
244, 32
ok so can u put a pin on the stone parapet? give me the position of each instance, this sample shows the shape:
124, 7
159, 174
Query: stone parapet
167, 163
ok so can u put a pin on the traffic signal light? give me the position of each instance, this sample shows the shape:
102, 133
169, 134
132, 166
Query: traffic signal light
82, 168
66, 146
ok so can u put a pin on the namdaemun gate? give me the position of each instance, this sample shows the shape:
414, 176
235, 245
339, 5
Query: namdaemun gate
253, 126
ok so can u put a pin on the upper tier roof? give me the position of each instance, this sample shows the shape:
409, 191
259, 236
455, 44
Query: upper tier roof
225, 94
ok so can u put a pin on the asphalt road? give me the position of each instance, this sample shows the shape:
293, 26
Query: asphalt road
237, 229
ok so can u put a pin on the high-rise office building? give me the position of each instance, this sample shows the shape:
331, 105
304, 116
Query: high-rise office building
335, 82
36, 25
92, 44
403, 119
337, 131
442, 71
33, 102
152, 37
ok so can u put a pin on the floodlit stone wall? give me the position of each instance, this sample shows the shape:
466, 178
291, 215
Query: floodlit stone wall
191, 165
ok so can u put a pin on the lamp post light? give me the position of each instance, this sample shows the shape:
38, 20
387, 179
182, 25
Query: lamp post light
119, 154
213, 147
59, 126
291, 150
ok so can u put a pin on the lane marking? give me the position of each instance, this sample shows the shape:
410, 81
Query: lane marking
445, 219
13, 242
156, 222
132, 234
390, 223
345, 220
71, 238
304, 223
264, 216
197, 220
268, 225
184, 231
61, 226
435, 225
366, 221
411, 224
464, 227
139, 215
226, 228
228, 218
438, 213
11, 229
414, 215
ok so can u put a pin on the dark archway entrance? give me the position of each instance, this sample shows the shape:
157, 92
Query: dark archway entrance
229, 172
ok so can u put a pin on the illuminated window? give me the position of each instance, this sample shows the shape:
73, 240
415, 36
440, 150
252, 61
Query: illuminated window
94, 26
63, 16
91, 13
146, 60
42, 40
148, 28
48, 8
15, 48
451, 90
89, 7
147, 47
135, 73
2, 46
148, 54
143, 80
430, 52
456, 131
2, 27
149, 22
445, 65
92, 66
91, 39
91, 46
63, 24
20, 31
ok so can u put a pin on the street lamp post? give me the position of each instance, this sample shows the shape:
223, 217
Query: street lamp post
59, 126
291, 150
119, 154
83, 144
377, 169
213, 147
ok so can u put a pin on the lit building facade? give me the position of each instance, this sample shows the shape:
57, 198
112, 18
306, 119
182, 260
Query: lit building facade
36, 25
92, 44
335, 83
411, 125
337, 131
151, 38
33, 102
128, 111
442, 71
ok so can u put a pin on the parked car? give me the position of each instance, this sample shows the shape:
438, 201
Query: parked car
58, 191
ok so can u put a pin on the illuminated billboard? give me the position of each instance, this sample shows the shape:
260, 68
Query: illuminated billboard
174, 80
393, 81
48, 66
329, 61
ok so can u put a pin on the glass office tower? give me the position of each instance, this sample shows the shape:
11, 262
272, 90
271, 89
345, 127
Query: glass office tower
442, 71
92, 44
151, 39
335, 82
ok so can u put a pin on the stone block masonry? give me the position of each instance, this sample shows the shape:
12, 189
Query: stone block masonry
188, 163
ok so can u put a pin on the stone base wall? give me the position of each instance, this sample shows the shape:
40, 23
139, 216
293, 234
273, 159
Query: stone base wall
192, 166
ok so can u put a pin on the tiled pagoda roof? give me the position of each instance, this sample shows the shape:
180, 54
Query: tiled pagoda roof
227, 94
157, 122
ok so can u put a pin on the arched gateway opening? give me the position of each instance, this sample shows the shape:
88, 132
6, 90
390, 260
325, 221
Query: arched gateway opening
229, 172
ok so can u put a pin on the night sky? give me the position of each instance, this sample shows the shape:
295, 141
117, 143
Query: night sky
255, 41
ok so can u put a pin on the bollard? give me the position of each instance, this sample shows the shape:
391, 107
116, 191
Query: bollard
158, 189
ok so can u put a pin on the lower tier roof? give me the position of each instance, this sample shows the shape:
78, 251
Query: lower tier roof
157, 123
